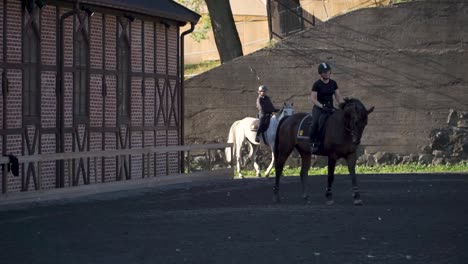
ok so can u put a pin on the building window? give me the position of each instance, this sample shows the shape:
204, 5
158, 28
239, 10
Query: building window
31, 73
123, 82
81, 71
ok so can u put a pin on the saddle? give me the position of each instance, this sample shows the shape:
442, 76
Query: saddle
255, 125
261, 125
254, 128
303, 133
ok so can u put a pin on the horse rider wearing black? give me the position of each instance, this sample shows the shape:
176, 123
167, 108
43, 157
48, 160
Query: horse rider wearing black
321, 96
265, 109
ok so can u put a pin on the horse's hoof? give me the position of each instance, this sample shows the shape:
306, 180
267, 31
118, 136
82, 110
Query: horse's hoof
267, 176
330, 202
241, 176
258, 175
358, 202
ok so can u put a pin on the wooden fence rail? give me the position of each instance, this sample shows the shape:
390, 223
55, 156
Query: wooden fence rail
111, 153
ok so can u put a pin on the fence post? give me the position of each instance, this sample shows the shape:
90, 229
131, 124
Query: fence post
232, 156
301, 14
209, 159
39, 175
95, 170
5, 178
270, 27
70, 181
188, 161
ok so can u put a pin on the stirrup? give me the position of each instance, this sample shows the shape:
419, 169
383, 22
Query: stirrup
313, 147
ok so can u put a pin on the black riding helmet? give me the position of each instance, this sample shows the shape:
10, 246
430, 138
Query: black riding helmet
323, 67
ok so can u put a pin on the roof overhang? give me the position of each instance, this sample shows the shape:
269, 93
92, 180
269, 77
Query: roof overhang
166, 9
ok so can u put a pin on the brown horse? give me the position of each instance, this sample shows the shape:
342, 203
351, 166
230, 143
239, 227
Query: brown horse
343, 131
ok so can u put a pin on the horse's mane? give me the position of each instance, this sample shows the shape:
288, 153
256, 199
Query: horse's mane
353, 103
280, 112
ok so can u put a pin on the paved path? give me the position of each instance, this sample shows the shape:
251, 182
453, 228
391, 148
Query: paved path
405, 219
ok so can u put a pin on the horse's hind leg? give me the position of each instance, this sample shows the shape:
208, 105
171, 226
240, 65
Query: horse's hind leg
305, 166
351, 160
330, 179
238, 158
254, 159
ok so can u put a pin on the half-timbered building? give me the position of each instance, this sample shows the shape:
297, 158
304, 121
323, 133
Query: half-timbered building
79, 76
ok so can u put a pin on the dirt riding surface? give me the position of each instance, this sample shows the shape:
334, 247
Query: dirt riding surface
405, 219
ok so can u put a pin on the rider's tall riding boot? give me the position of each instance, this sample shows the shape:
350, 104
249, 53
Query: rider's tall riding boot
257, 137
314, 145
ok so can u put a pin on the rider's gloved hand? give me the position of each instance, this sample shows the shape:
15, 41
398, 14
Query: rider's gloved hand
328, 109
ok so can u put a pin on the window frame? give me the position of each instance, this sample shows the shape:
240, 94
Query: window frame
123, 71
31, 94
81, 69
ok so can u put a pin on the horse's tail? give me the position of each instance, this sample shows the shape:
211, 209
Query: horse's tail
231, 139
275, 150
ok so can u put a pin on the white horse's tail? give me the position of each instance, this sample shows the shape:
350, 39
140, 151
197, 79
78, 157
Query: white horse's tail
231, 139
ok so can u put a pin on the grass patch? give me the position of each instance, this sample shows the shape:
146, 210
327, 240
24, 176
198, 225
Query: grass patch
194, 69
271, 44
383, 169
402, 1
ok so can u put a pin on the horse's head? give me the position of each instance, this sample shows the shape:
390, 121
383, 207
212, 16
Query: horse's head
287, 110
355, 114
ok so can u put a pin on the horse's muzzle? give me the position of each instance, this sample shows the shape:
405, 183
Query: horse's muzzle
355, 138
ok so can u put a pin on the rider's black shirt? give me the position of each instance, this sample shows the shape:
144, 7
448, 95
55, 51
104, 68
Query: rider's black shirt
325, 91
265, 106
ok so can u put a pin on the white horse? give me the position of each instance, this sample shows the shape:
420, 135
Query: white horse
244, 129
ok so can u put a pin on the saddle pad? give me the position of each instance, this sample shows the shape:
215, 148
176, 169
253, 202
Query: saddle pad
304, 127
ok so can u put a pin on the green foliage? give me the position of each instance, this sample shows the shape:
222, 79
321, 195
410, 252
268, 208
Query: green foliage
201, 31
204, 25
401, 1
403, 168
191, 69
271, 44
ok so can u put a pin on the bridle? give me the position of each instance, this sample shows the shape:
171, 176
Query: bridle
350, 129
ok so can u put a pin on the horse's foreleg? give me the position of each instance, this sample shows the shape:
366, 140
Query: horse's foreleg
305, 165
283, 153
330, 179
351, 160
239, 168
270, 167
279, 165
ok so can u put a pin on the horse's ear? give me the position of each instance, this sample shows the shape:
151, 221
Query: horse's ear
370, 110
292, 103
284, 104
